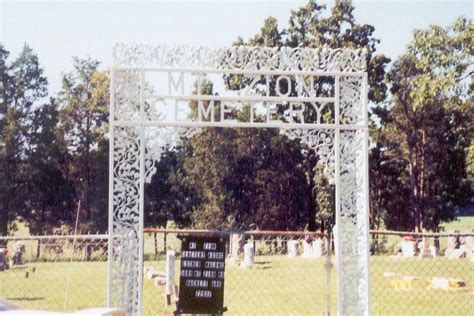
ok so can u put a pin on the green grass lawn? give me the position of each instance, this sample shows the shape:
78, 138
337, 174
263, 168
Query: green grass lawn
462, 223
277, 286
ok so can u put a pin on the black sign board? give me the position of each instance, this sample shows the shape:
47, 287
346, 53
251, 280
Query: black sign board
201, 282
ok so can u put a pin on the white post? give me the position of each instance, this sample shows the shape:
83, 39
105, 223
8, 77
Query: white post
170, 261
111, 190
141, 198
365, 110
337, 150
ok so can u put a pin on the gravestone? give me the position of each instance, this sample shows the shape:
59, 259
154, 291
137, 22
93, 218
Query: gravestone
307, 249
317, 248
425, 251
292, 248
451, 244
408, 248
201, 289
249, 253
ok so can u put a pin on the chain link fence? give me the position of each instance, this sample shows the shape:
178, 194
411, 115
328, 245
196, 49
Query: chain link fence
291, 274
60, 273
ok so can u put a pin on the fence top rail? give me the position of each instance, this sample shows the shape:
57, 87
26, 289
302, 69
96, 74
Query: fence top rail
230, 232
47, 237
401, 233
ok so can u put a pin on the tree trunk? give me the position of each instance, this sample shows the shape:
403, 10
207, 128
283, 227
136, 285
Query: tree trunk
414, 186
38, 249
3, 222
310, 202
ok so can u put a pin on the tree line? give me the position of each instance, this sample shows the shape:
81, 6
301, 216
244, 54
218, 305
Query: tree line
54, 152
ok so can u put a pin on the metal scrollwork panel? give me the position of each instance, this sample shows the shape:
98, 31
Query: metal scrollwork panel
157, 139
126, 236
126, 95
351, 103
321, 141
241, 57
353, 238
125, 233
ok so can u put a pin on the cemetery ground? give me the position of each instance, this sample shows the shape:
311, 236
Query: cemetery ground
278, 285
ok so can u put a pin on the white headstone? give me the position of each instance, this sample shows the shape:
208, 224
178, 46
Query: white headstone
248, 256
307, 249
425, 251
292, 248
318, 248
457, 253
408, 248
451, 244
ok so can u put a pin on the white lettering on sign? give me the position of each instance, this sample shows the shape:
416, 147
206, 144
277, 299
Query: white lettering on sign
296, 110
187, 273
214, 265
220, 274
263, 99
180, 110
202, 293
192, 245
206, 114
209, 274
210, 246
191, 264
193, 254
176, 85
227, 109
288, 86
197, 283
305, 88
272, 111
216, 284
197, 273
215, 255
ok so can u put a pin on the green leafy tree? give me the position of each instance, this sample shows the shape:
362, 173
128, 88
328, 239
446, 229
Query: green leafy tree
430, 118
22, 83
50, 194
84, 101
239, 177
312, 26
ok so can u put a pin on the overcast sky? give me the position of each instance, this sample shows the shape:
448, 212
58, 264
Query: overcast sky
59, 30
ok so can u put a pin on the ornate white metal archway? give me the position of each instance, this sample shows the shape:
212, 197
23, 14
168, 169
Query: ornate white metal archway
151, 87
